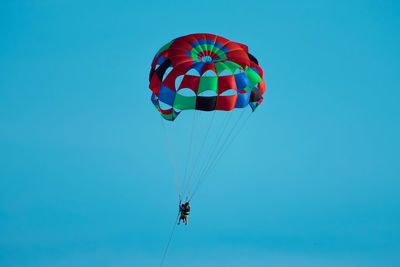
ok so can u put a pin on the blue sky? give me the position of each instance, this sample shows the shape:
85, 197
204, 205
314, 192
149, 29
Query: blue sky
84, 179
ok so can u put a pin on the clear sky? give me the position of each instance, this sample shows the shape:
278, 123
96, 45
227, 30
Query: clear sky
313, 180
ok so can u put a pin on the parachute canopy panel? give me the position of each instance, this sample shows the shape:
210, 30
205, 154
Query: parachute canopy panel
204, 72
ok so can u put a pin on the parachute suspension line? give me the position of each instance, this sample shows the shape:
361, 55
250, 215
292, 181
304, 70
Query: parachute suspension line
213, 149
219, 145
189, 154
192, 163
200, 152
224, 145
221, 141
169, 241
228, 142
236, 135
193, 146
227, 145
175, 156
171, 159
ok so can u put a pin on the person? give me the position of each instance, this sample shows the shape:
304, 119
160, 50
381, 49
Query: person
184, 210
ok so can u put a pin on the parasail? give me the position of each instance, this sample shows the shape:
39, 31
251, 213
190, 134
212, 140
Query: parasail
212, 81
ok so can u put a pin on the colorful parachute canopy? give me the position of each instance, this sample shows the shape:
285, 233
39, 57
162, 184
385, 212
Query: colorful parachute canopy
204, 72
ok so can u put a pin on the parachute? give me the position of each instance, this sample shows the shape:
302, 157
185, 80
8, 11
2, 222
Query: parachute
211, 81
